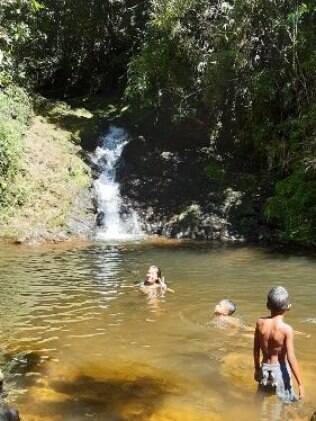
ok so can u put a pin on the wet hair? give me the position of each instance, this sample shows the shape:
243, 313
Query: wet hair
230, 306
278, 299
157, 269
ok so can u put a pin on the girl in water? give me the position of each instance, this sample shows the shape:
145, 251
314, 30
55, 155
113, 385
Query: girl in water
154, 278
154, 281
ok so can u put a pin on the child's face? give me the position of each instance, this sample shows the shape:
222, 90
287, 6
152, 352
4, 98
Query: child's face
152, 275
221, 309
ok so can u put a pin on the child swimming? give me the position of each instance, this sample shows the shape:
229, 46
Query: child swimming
154, 277
154, 281
274, 340
223, 312
225, 308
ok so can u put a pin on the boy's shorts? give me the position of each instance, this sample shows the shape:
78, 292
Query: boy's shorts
276, 378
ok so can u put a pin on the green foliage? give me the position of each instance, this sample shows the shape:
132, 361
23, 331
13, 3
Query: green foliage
14, 114
215, 170
247, 71
17, 21
158, 82
167, 14
293, 207
68, 46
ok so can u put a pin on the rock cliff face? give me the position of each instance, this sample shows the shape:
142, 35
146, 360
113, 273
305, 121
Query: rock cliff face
177, 195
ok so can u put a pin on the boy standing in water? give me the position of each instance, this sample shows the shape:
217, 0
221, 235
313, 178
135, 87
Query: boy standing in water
274, 339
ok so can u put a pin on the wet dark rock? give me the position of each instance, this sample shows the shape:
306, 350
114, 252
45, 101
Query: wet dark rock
20, 240
174, 196
96, 170
100, 219
90, 138
20, 363
17, 364
82, 217
8, 414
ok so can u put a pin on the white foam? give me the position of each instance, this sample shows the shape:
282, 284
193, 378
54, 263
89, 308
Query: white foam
116, 225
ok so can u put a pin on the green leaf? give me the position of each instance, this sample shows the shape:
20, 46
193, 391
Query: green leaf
36, 6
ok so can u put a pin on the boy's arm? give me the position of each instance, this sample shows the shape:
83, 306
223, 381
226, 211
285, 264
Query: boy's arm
293, 361
256, 354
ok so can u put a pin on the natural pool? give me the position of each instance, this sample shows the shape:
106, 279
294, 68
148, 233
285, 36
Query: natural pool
99, 350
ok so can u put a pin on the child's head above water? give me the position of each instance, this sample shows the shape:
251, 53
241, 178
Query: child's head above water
225, 308
153, 274
278, 300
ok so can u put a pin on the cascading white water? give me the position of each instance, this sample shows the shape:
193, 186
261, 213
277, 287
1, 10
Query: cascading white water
113, 223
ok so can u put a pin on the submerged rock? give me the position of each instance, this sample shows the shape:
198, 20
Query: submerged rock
8, 414
20, 363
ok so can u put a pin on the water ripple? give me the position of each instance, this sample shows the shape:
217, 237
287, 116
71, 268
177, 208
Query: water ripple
80, 308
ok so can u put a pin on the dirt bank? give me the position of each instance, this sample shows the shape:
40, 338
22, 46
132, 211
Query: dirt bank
54, 179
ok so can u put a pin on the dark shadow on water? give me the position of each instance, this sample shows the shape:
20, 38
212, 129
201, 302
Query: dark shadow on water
280, 251
108, 399
264, 251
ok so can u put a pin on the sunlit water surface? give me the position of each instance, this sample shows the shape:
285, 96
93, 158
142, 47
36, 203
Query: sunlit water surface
100, 350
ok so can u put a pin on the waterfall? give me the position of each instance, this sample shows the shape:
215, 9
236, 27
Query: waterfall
116, 220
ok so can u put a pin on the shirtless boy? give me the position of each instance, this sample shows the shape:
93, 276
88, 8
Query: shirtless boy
274, 339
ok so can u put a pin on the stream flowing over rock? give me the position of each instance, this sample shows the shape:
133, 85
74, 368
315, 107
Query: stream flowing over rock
116, 219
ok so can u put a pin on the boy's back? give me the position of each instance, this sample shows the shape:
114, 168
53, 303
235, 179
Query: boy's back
272, 335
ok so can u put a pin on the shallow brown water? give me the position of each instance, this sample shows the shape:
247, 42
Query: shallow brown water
99, 350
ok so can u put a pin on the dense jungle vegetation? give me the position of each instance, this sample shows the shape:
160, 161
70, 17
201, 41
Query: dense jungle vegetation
241, 73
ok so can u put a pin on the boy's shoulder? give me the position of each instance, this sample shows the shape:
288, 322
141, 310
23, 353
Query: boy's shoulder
287, 328
262, 320
267, 319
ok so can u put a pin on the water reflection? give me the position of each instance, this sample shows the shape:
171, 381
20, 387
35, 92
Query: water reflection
106, 273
